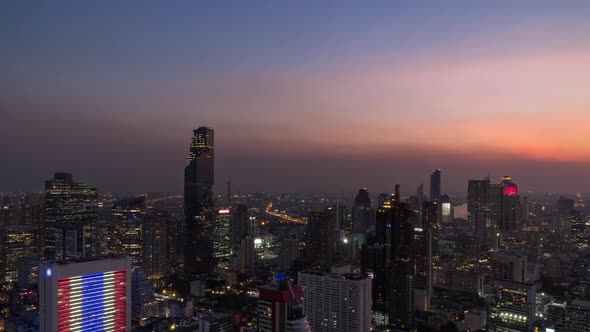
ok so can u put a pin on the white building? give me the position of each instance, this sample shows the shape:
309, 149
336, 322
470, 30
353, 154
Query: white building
336, 302
85, 295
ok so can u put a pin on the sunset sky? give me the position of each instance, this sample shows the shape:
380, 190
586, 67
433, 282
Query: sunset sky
303, 95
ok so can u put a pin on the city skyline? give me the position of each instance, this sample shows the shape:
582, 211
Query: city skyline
355, 97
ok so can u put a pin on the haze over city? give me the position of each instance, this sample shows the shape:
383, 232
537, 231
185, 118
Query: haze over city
303, 97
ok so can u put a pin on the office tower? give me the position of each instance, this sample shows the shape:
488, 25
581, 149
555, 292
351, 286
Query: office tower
158, 244
280, 308
362, 213
512, 306
288, 253
435, 185
143, 300
478, 211
241, 226
16, 242
221, 235
576, 318
33, 213
563, 211
198, 203
505, 205
322, 234
340, 214
70, 212
430, 222
510, 267
580, 232
126, 229
390, 257
247, 256
336, 302
85, 295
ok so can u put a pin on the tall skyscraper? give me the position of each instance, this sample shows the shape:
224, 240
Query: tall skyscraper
280, 308
70, 212
505, 205
221, 236
90, 295
336, 302
126, 229
478, 211
240, 226
435, 180
288, 253
390, 257
198, 203
363, 216
321, 228
158, 244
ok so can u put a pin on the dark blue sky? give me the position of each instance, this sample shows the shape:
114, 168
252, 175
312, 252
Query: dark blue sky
303, 95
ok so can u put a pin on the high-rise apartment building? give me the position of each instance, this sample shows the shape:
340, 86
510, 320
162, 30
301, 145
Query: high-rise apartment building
126, 229
198, 203
70, 212
321, 228
85, 295
280, 308
336, 302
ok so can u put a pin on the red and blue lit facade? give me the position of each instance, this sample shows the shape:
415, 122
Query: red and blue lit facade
92, 302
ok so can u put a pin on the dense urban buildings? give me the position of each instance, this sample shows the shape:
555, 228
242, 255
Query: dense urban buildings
126, 229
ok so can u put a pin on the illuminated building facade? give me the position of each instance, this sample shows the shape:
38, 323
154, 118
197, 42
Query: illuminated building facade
505, 205
198, 203
336, 302
280, 308
16, 242
27, 271
512, 306
221, 234
143, 300
158, 244
85, 295
126, 229
70, 212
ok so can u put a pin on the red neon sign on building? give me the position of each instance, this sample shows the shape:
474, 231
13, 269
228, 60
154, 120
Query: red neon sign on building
510, 191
